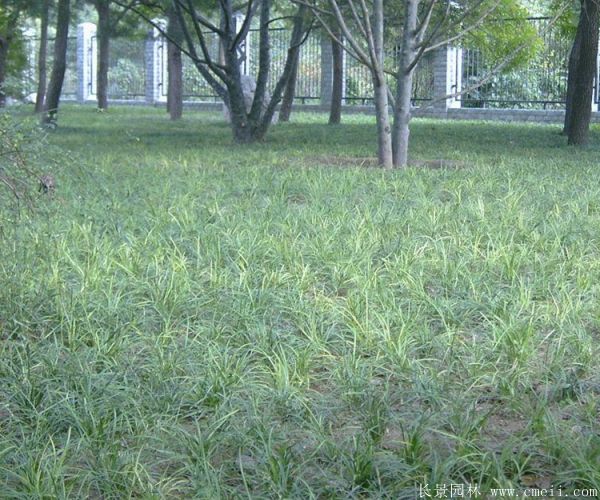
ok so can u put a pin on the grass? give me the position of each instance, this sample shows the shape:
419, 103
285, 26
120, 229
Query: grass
191, 319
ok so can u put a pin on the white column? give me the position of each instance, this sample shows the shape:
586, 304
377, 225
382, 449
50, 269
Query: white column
447, 76
326, 70
156, 65
86, 62
245, 45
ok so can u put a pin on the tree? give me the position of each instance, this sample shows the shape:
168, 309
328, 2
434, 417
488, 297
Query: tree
10, 32
337, 91
42, 56
289, 92
110, 15
174, 66
582, 71
424, 26
59, 64
249, 121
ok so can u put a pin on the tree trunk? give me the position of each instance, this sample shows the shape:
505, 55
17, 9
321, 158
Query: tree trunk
296, 40
384, 129
382, 113
60, 62
103, 34
290, 91
573, 58
4, 44
585, 70
42, 58
175, 68
402, 116
337, 93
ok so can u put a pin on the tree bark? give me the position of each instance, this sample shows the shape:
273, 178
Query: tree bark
224, 74
573, 58
402, 114
337, 93
104, 33
4, 44
290, 91
382, 113
42, 58
175, 68
585, 70
60, 62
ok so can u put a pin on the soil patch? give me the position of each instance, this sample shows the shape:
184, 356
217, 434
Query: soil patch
371, 162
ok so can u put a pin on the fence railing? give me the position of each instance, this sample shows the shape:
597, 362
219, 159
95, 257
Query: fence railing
29, 75
137, 71
540, 83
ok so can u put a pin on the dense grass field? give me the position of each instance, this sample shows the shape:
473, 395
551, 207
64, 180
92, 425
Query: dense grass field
187, 318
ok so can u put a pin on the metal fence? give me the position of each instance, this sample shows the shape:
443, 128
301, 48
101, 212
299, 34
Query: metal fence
126, 69
29, 75
539, 83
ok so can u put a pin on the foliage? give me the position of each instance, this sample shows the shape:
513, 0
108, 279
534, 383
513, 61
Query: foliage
16, 56
200, 320
24, 157
510, 34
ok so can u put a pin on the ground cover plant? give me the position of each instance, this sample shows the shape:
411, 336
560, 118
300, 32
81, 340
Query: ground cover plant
192, 319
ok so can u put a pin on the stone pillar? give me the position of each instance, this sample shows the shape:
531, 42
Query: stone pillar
156, 66
326, 70
245, 48
86, 62
447, 77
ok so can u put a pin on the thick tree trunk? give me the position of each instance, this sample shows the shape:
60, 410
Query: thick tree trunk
290, 91
402, 116
42, 58
103, 33
175, 68
60, 62
4, 44
573, 58
337, 93
585, 70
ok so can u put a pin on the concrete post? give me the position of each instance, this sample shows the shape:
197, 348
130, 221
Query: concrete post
326, 70
447, 77
156, 66
86, 62
245, 48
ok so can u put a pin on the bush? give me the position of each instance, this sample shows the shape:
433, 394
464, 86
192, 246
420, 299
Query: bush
25, 158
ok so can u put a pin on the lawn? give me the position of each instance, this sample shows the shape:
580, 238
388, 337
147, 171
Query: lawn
187, 318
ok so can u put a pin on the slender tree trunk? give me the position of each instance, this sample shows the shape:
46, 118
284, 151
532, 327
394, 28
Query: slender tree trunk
60, 62
384, 137
384, 129
573, 59
42, 58
242, 124
103, 33
175, 68
579, 123
402, 115
337, 91
296, 40
4, 44
290, 91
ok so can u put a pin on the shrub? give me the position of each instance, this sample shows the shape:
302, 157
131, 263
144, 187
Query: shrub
25, 157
